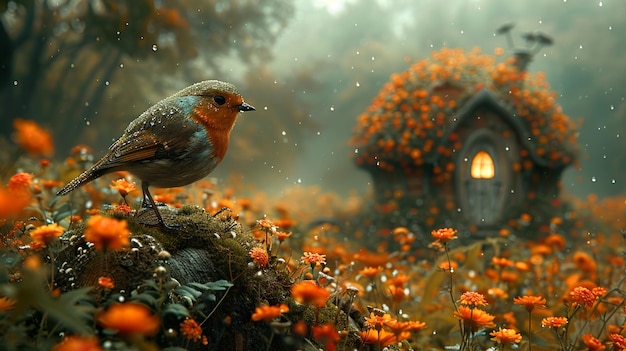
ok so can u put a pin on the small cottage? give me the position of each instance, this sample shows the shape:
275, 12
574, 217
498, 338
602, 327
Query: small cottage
466, 140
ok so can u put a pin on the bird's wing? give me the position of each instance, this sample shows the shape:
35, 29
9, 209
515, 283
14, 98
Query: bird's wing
158, 133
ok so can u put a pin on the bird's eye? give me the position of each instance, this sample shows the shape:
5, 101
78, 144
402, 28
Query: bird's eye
219, 99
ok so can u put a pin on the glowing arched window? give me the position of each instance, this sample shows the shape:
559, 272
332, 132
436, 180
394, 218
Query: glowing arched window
482, 166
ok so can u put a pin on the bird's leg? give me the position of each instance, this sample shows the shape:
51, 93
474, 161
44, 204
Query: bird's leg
148, 201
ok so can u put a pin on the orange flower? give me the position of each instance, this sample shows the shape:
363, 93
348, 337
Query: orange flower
78, 343
191, 329
476, 317
505, 336
592, 343
582, 296
313, 259
501, 262
382, 338
32, 262
259, 256
498, 292
308, 292
370, 272
584, 262
327, 335
619, 342
448, 266
129, 318
268, 313
530, 302
106, 282
282, 236
444, 234
46, 234
20, 182
6, 303
107, 233
553, 322
124, 187
472, 299
32, 138
398, 327
266, 225
377, 320
555, 240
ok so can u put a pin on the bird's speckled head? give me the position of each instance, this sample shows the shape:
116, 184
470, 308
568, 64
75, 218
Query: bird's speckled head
200, 88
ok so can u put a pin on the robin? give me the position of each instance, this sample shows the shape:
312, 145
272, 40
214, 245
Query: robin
176, 142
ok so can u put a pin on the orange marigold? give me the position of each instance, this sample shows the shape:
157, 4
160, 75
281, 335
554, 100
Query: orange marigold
46, 234
313, 258
444, 234
259, 256
619, 342
78, 343
107, 233
370, 272
129, 318
327, 335
6, 303
592, 343
582, 296
124, 187
268, 313
501, 262
505, 336
377, 320
266, 225
106, 282
472, 299
585, 262
553, 322
191, 329
20, 182
382, 337
530, 302
477, 318
282, 236
32, 138
308, 292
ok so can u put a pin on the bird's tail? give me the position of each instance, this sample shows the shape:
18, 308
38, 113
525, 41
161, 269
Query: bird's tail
84, 178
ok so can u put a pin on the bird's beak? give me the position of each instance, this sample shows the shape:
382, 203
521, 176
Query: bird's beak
246, 107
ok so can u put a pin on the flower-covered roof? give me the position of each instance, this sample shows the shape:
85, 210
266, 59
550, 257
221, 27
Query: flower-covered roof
414, 116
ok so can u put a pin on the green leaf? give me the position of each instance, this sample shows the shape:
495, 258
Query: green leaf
146, 299
64, 211
175, 311
188, 292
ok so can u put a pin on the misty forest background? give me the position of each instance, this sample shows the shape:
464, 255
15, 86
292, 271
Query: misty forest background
85, 69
